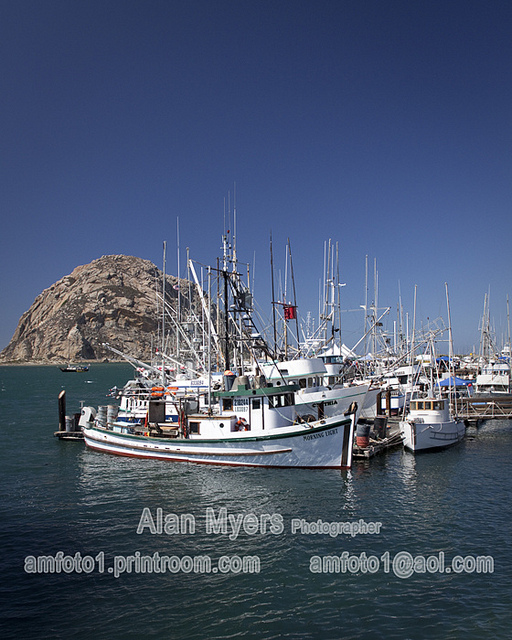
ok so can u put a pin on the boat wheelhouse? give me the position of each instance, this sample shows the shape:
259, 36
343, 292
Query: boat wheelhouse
429, 425
314, 398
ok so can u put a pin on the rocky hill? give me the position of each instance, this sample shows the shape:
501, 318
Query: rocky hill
112, 299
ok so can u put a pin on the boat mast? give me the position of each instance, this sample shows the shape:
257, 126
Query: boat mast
376, 306
225, 277
283, 297
339, 285
451, 393
163, 314
273, 296
179, 287
366, 314
294, 295
508, 326
412, 373
209, 320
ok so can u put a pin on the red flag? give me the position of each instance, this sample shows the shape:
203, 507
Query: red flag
290, 312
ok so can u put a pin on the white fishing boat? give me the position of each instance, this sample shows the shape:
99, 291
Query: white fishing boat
245, 420
430, 423
245, 426
430, 426
494, 368
313, 398
493, 379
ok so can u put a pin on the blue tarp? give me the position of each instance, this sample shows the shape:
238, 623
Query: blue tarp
454, 382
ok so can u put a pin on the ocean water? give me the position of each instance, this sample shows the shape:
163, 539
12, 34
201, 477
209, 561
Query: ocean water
406, 547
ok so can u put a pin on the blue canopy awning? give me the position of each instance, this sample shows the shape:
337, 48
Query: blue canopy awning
454, 382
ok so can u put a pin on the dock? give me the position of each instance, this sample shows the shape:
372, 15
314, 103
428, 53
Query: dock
69, 435
378, 445
478, 408
69, 429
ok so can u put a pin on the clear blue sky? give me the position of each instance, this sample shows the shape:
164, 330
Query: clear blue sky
386, 126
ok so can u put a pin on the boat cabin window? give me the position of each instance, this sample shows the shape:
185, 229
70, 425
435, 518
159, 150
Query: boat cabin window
302, 383
256, 403
274, 402
227, 404
285, 400
427, 405
289, 399
193, 428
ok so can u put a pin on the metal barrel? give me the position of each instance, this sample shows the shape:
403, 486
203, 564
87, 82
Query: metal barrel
363, 435
380, 424
101, 416
112, 411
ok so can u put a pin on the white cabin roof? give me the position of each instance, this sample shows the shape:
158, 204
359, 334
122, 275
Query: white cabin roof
301, 368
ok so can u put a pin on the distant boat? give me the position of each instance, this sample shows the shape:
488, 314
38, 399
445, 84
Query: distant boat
494, 378
80, 368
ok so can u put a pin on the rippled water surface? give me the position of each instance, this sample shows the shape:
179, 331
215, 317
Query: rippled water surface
60, 497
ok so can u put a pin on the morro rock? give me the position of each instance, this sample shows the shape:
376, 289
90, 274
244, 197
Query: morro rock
113, 299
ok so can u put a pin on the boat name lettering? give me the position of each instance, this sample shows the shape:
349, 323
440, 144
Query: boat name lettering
313, 436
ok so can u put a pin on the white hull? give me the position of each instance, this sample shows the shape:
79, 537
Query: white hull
424, 436
322, 444
369, 407
329, 403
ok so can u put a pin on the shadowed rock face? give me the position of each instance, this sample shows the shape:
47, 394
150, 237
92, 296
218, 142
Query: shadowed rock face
112, 299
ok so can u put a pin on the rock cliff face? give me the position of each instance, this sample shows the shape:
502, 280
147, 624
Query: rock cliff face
112, 299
